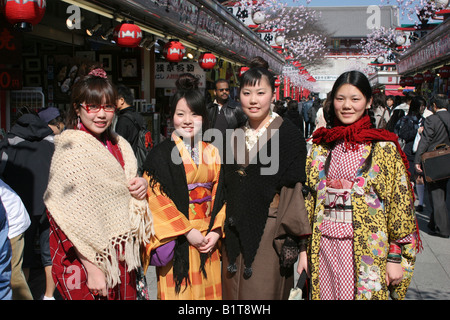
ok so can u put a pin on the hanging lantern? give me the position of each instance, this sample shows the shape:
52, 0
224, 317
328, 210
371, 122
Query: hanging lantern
24, 14
174, 51
402, 82
259, 17
277, 82
418, 78
444, 72
242, 71
409, 81
428, 76
279, 40
127, 35
207, 61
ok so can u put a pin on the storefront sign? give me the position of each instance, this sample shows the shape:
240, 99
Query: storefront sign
166, 73
325, 77
10, 79
426, 54
10, 44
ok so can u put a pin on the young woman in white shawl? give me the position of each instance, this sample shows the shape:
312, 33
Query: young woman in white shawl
96, 202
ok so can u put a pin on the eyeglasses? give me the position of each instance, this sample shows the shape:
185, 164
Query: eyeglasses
94, 108
224, 89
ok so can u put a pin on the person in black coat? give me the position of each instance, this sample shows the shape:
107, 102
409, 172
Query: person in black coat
294, 116
26, 154
435, 132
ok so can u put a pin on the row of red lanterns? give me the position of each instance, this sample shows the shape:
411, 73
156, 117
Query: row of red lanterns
427, 76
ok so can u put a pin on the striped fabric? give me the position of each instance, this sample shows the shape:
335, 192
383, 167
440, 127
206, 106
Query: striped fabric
169, 223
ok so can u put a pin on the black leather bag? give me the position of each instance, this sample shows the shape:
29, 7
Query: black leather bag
436, 163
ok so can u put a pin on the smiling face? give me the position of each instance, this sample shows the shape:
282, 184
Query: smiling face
96, 123
256, 101
350, 104
186, 122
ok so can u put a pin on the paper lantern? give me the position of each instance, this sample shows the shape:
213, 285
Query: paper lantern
242, 71
24, 14
402, 82
174, 51
127, 35
418, 78
409, 81
207, 60
428, 76
444, 72
277, 82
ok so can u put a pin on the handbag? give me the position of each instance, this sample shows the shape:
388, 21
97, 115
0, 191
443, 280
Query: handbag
435, 163
297, 292
162, 255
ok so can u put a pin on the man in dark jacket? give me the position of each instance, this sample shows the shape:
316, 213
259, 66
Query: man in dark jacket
26, 154
129, 121
225, 113
436, 132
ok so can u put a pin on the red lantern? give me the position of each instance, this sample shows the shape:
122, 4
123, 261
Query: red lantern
277, 82
418, 78
174, 51
402, 82
207, 60
127, 35
428, 76
409, 81
242, 71
444, 72
24, 14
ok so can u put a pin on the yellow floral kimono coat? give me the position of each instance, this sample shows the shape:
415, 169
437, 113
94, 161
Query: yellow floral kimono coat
169, 223
383, 211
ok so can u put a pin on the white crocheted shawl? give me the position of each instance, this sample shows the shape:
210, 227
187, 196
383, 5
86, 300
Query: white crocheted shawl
88, 197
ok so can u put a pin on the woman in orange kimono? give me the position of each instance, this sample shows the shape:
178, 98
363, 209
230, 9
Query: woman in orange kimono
185, 197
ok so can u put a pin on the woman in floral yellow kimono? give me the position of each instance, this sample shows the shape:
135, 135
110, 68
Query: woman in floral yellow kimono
185, 197
361, 204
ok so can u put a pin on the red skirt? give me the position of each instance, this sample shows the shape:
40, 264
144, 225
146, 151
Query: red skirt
70, 276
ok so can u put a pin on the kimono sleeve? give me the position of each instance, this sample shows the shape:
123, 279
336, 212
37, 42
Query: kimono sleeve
399, 207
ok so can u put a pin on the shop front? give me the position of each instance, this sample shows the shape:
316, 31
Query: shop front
426, 65
74, 35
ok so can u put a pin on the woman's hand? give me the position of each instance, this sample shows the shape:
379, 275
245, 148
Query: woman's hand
303, 263
394, 273
195, 238
138, 188
212, 238
96, 279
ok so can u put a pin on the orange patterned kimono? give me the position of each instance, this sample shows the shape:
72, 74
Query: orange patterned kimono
169, 223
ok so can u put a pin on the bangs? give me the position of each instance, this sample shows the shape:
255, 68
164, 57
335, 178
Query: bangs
96, 90
253, 77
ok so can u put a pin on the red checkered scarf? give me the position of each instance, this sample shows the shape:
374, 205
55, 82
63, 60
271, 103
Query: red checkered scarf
360, 131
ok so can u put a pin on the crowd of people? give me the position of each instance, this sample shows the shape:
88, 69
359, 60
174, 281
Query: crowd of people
328, 182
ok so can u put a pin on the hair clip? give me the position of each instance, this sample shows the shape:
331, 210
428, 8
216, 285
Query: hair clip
98, 73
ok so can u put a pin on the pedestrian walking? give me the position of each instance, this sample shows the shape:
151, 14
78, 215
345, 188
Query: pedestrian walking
97, 205
364, 236
436, 132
